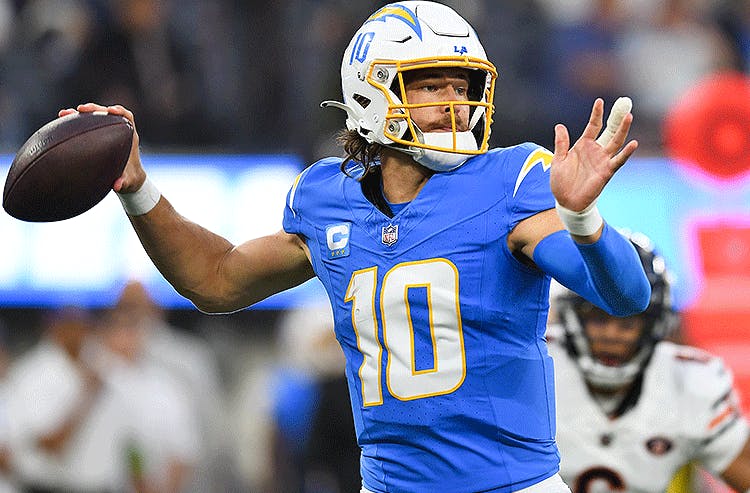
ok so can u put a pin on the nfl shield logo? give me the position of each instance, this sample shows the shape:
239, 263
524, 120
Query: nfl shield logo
390, 234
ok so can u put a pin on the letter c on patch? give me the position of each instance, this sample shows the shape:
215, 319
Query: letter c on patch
337, 236
337, 240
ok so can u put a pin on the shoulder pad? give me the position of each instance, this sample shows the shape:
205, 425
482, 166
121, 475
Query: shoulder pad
533, 155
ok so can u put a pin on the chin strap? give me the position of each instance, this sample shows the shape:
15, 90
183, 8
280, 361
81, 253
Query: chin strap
442, 160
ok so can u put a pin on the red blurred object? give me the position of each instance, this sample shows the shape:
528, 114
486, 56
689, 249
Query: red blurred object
719, 320
709, 126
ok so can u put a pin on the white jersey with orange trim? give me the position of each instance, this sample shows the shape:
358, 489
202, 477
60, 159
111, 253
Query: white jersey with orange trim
687, 409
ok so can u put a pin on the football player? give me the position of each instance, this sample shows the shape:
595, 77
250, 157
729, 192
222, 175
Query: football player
436, 253
634, 408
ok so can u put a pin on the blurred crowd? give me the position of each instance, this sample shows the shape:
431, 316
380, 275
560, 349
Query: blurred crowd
248, 76
122, 400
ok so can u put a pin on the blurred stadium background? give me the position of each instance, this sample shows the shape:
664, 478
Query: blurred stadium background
226, 96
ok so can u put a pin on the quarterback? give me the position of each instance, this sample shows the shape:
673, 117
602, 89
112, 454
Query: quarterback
633, 408
436, 253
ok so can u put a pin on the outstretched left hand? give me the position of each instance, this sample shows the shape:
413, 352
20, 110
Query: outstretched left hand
579, 174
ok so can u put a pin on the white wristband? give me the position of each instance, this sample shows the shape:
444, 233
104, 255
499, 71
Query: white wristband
584, 223
141, 201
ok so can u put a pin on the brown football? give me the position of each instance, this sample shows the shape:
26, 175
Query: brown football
67, 167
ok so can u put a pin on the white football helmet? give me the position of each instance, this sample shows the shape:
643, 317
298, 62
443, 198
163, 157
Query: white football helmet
407, 36
660, 320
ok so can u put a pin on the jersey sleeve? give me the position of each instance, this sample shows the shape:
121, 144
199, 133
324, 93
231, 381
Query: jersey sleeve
292, 221
313, 195
527, 182
719, 420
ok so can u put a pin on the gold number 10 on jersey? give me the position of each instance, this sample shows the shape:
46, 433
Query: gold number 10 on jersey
439, 277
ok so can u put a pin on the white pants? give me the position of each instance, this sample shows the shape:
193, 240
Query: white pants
553, 484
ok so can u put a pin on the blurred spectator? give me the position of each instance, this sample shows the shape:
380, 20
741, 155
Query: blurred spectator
192, 363
137, 57
7, 482
524, 86
314, 440
308, 444
177, 63
46, 38
567, 13
251, 413
6, 31
585, 61
51, 394
733, 17
163, 442
314, 35
6, 19
249, 76
664, 56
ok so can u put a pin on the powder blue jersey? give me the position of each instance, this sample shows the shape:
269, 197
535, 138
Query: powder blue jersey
443, 329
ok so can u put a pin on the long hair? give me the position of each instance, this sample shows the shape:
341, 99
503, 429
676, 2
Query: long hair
367, 155
357, 149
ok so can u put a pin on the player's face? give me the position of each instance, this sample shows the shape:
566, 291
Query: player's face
71, 334
438, 85
123, 334
613, 341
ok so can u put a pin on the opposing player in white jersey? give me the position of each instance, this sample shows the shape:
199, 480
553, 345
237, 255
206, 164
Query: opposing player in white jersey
633, 408
436, 253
